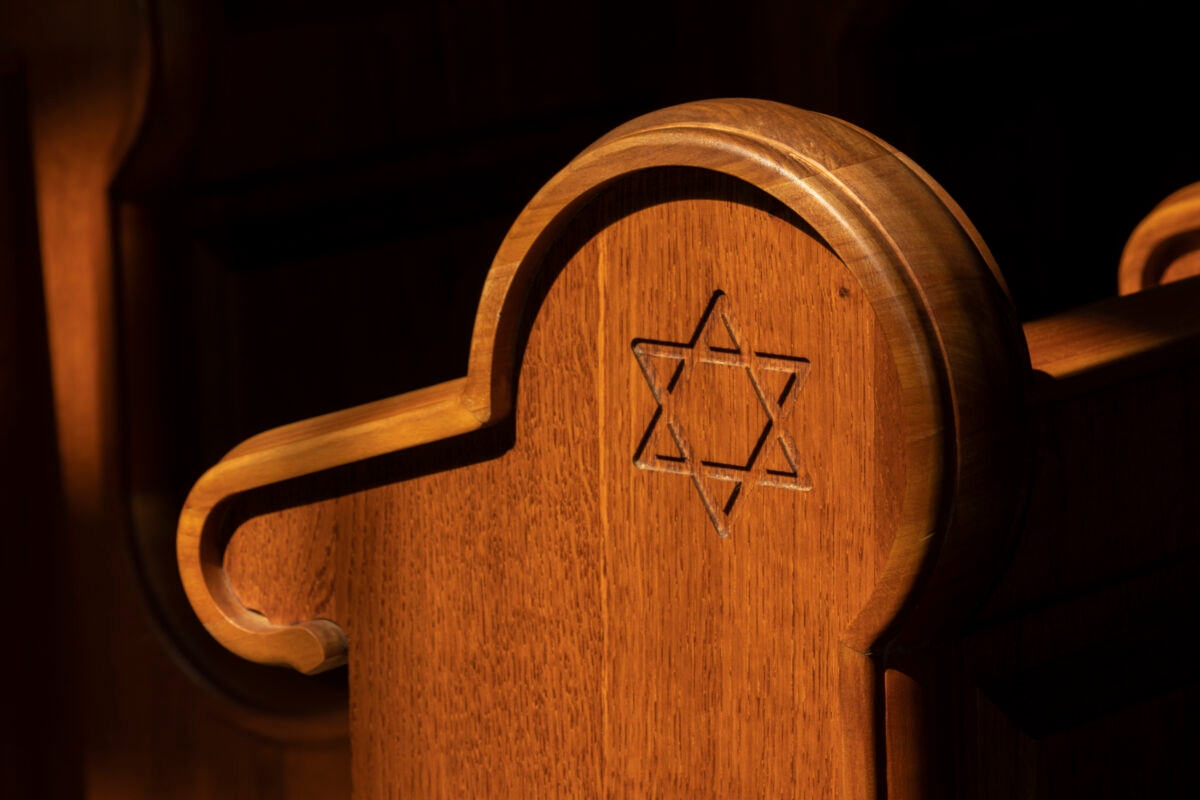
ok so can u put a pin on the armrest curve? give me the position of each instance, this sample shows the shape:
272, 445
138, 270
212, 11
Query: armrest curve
948, 321
396, 423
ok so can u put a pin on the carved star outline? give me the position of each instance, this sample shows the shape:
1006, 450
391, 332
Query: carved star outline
718, 340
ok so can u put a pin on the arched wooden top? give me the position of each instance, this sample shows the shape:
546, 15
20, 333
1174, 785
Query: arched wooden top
1165, 246
953, 337
956, 339
813, 163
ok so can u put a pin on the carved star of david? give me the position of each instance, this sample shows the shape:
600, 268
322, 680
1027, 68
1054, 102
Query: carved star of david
668, 366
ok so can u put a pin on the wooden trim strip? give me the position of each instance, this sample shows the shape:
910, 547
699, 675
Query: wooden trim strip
1114, 340
302, 448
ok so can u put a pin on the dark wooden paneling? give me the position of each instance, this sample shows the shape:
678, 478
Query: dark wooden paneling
39, 747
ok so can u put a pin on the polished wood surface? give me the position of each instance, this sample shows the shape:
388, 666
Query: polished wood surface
1163, 247
650, 566
676, 300
1114, 341
590, 624
255, 209
344, 437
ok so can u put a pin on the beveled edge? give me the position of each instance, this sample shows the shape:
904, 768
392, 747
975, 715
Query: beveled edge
302, 448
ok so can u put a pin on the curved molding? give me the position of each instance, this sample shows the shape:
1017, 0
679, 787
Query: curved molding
301, 448
954, 338
1156, 250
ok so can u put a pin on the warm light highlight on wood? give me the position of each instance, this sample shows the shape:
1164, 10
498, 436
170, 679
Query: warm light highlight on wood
538, 600
1164, 247
305, 447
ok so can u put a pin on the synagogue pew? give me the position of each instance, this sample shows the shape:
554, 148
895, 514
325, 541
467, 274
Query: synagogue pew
755, 485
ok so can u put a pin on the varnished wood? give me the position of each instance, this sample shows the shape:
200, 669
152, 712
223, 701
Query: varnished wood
271, 173
653, 588
709, 136
598, 609
1113, 341
932, 362
310, 446
1163, 247
597, 612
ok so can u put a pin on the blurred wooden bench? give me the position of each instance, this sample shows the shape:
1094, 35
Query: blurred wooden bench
755, 487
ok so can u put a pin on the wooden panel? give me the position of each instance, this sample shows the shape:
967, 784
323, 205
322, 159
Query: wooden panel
1114, 494
583, 622
703, 358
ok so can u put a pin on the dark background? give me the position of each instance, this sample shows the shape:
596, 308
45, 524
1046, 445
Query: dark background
329, 210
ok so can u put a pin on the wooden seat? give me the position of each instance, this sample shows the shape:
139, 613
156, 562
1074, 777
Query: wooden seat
755, 486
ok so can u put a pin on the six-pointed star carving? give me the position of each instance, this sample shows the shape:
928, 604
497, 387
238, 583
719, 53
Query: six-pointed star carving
718, 341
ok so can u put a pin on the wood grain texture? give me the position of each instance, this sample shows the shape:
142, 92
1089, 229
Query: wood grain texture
1114, 341
129, 718
1163, 247
310, 446
699, 659
618, 600
885, 223
551, 607
922, 269
619, 572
